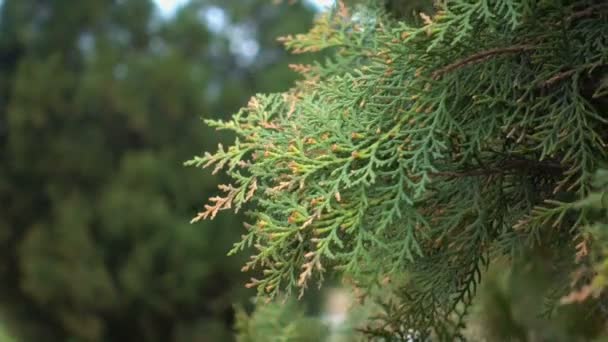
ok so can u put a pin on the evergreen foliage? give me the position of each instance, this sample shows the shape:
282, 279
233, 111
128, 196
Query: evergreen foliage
417, 155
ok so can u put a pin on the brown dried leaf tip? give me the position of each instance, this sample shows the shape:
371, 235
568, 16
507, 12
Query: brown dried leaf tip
219, 203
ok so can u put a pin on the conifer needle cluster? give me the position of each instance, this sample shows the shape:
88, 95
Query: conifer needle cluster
418, 154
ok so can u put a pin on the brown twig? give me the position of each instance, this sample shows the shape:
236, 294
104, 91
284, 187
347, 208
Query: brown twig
587, 12
565, 74
558, 77
480, 57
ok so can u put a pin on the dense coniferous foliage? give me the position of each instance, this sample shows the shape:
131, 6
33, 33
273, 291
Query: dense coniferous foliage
100, 103
424, 151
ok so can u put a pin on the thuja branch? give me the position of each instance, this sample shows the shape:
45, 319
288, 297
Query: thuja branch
330, 199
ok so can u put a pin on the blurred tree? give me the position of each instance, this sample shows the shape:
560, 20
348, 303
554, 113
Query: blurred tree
4, 337
279, 322
99, 106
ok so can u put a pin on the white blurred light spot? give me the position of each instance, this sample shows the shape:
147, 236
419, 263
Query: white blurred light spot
169, 7
215, 18
250, 48
322, 5
243, 43
337, 306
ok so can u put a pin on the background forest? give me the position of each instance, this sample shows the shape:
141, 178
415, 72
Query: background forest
100, 104
445, 160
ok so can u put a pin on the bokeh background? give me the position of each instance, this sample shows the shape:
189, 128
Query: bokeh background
101, 102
